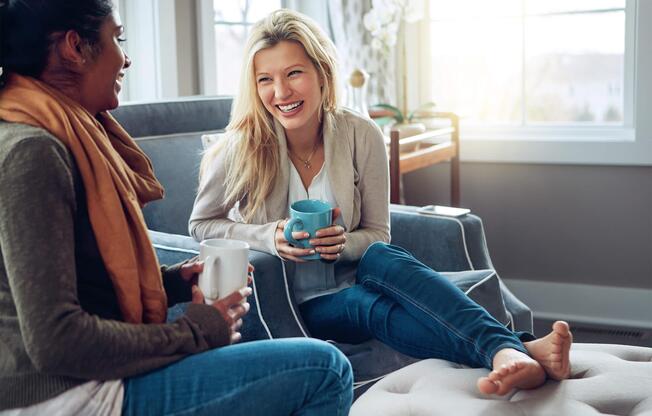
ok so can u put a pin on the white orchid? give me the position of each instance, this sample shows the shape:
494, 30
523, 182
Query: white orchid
387, 37
384, 19
413, 11
371, 21
376, 44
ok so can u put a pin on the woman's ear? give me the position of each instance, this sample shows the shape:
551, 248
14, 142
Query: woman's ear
71, 49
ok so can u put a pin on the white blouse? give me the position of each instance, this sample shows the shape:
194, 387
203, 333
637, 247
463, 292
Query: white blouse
314, 278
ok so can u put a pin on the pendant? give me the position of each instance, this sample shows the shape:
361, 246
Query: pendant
307, 164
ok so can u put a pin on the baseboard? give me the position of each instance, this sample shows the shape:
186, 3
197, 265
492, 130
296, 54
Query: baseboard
590, 304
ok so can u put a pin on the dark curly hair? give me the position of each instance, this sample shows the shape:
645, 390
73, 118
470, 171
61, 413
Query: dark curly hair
29, 28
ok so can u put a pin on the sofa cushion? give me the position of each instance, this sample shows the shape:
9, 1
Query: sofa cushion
208, 140
605, 379
483, 286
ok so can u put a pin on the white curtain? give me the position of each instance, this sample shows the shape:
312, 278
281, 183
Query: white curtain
353, 44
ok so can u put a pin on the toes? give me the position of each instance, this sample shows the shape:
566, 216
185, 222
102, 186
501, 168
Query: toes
556, 339
561, 327
494, 376
504, 388
486, 386
504, 371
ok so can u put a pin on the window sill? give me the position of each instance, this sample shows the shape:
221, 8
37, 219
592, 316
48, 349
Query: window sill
556, 134
591, 146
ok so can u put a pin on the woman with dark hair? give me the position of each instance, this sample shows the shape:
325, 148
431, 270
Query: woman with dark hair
83, 300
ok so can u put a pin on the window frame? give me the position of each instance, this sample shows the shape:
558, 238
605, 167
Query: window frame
629, 144
206, 41
157, 72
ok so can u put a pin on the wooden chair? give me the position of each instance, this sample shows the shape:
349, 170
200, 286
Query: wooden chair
426, 152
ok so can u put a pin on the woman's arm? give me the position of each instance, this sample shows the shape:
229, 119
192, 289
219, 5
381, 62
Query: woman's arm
373, 185
38, 247
209, 213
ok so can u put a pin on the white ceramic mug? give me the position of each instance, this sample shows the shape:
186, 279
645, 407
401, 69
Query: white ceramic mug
226, 265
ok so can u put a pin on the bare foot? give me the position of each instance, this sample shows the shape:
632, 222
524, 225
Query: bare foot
512, 369
553, 350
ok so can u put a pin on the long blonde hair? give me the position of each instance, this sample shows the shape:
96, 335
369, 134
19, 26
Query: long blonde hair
252, 148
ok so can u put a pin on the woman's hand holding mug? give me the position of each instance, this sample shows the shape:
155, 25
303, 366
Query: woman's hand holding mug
283, 247
330, 242
232, 308
326, 244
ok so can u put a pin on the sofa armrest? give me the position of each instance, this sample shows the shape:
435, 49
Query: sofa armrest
520, 314
443, 243
449, 244
173, 248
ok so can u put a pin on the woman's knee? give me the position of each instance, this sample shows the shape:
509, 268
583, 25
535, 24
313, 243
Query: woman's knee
327, 379
323, 354
372, 257
384, 251
377, 248
382, 259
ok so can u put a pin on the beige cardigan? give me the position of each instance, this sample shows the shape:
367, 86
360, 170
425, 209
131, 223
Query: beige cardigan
356, 159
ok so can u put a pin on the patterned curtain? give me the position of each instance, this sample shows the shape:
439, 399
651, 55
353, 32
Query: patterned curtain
353, 45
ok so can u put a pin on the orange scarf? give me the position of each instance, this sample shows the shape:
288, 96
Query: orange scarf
119, 180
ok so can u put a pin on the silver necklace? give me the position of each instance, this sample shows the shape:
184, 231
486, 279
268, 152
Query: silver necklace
306, 162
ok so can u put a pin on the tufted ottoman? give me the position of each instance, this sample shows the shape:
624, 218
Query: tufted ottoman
605, 379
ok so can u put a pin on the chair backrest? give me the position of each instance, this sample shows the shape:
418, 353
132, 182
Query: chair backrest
170, 133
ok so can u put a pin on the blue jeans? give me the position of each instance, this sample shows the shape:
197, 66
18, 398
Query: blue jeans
413, 309
293, 376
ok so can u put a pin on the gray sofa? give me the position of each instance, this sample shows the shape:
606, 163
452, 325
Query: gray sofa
170, 133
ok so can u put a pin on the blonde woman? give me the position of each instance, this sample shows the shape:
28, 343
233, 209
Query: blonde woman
288, 140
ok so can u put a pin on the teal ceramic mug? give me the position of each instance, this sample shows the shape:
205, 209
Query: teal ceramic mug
308, 215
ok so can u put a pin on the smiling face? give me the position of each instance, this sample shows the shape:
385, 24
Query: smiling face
289, 87
102, 80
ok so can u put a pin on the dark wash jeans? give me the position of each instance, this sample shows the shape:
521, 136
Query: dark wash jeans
413, 309
294, 376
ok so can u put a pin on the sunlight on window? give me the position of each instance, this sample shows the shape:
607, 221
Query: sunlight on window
229, 42
557, 6
232, 23
528, 62
575, 76
478, 69
446, 9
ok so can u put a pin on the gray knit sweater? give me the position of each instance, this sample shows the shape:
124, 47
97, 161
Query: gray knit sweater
60, 323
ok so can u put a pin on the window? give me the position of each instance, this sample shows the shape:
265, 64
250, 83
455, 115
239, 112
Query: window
233, 20
223, 31
532, 63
